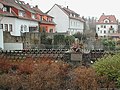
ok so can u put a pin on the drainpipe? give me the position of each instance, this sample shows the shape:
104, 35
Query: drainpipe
69, 25
2, 36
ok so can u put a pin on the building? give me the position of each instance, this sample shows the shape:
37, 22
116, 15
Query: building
15, 21
106, 25
6, 20
66, 20
46, 21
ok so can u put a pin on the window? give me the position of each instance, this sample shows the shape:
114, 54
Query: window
98, 28
106, 21
71, 23
33, 16
21, 14
51, 31
5, 9
41, 18
21, 27
101, 26
111, 28
74, 23
72, 14
47, 19
104, 32
16, 1
32, 29
6, 27
44, 29
1, 26
10, 27
113, 32
101, 31
104, 26
25, 28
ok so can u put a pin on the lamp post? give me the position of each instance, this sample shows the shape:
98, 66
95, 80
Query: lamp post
96, 38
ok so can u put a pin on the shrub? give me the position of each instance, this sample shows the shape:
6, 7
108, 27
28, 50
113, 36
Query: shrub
109, 66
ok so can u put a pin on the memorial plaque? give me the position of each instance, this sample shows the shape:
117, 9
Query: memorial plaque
76, 56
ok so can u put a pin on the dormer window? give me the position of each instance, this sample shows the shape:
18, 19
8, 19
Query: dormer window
33, 16
5, 9
20, 2
106, 21
51, 20
21, 13
16, 1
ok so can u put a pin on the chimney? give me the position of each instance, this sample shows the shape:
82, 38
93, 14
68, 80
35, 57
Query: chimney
36, 6
28, 5
103, 14
67, 7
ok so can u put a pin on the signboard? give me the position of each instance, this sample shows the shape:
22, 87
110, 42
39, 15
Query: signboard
76, 56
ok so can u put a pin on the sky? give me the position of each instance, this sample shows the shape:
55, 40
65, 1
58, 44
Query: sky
86, 8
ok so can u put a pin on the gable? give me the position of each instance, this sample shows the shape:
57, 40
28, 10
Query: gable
107, 19
56, 10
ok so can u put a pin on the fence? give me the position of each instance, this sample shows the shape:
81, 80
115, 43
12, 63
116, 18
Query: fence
35, 54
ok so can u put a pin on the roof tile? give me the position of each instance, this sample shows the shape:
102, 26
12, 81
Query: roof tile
111, 18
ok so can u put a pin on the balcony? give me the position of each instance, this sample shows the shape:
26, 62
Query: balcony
111, 28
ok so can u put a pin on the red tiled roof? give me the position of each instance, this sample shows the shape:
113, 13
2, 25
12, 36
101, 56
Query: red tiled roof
13, 14
27, 7
69, 11
14, 4
36, 9
6, 13
5, 3
111, 18
27, 18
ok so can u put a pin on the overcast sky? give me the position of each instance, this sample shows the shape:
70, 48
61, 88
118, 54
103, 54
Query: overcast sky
83, 7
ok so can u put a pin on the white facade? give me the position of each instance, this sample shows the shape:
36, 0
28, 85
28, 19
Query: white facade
1, 39
104, 29
63, 21
18, 26
60, 18
76, 26
106, 25
22, 26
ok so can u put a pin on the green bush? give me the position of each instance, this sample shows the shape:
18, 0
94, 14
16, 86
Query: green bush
109, 66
